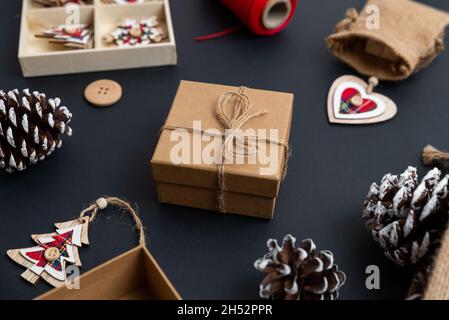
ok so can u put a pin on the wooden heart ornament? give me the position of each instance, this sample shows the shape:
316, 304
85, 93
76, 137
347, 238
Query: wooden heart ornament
352, 101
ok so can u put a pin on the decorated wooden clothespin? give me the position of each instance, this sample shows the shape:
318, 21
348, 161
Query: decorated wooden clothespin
77, 36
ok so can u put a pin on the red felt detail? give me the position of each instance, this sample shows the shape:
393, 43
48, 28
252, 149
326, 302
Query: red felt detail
39, 256
60, 242
367, 105
250, 13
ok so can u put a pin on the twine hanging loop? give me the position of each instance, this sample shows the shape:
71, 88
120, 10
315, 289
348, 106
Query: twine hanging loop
90, 213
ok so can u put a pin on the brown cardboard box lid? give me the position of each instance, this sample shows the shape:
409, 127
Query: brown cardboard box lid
134, 275
197, 101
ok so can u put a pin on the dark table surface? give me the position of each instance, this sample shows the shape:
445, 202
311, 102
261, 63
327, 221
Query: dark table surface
208, 255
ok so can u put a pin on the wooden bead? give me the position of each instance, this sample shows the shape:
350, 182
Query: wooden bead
102, 203
373, 81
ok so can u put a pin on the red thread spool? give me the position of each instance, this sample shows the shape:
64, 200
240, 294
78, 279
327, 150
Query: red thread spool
261, 17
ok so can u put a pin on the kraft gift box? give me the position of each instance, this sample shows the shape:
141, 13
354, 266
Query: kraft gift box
247, 189
134, 275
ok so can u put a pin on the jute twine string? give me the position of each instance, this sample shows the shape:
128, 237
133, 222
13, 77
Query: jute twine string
92, 210
242, 113
351, 16
431, 154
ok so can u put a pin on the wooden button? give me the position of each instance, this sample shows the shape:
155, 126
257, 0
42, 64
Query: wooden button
70, 30
136, 32
103, 93
52, 254
357, 101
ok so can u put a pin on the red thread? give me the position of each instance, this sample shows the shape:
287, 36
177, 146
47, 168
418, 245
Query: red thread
250, 13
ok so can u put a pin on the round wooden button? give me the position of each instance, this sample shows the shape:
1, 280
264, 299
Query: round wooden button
136, 32
52, 254
71, 30
103, 93
357, 101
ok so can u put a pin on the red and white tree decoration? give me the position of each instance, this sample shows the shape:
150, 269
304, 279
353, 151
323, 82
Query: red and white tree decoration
49, 258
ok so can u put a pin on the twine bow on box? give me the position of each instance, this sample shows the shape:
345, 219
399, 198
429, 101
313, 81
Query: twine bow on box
233, 122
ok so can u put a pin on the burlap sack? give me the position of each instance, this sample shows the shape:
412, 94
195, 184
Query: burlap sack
407, 38
438, 284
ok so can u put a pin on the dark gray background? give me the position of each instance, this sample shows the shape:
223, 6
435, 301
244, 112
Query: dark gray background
207, 255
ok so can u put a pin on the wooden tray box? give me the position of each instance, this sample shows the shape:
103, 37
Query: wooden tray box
134, 275
39, 58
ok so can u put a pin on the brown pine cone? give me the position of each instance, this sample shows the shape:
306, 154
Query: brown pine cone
31, 128
299, 273
407, 218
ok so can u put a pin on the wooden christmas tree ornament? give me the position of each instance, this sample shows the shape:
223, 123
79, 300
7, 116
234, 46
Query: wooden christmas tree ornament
352, 101
49, 258
133, 275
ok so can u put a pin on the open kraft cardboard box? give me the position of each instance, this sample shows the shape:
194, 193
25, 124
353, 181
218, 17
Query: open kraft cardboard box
38, 57
134, 275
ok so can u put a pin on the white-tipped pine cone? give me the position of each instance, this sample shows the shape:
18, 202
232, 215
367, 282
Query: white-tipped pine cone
31, 128
299, 273
406, 217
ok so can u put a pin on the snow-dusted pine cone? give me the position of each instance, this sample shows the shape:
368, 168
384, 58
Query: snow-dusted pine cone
407, 218
31, 128
299, 273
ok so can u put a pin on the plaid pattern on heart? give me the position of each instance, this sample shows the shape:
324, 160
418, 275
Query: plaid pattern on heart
353, 101
347, 107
